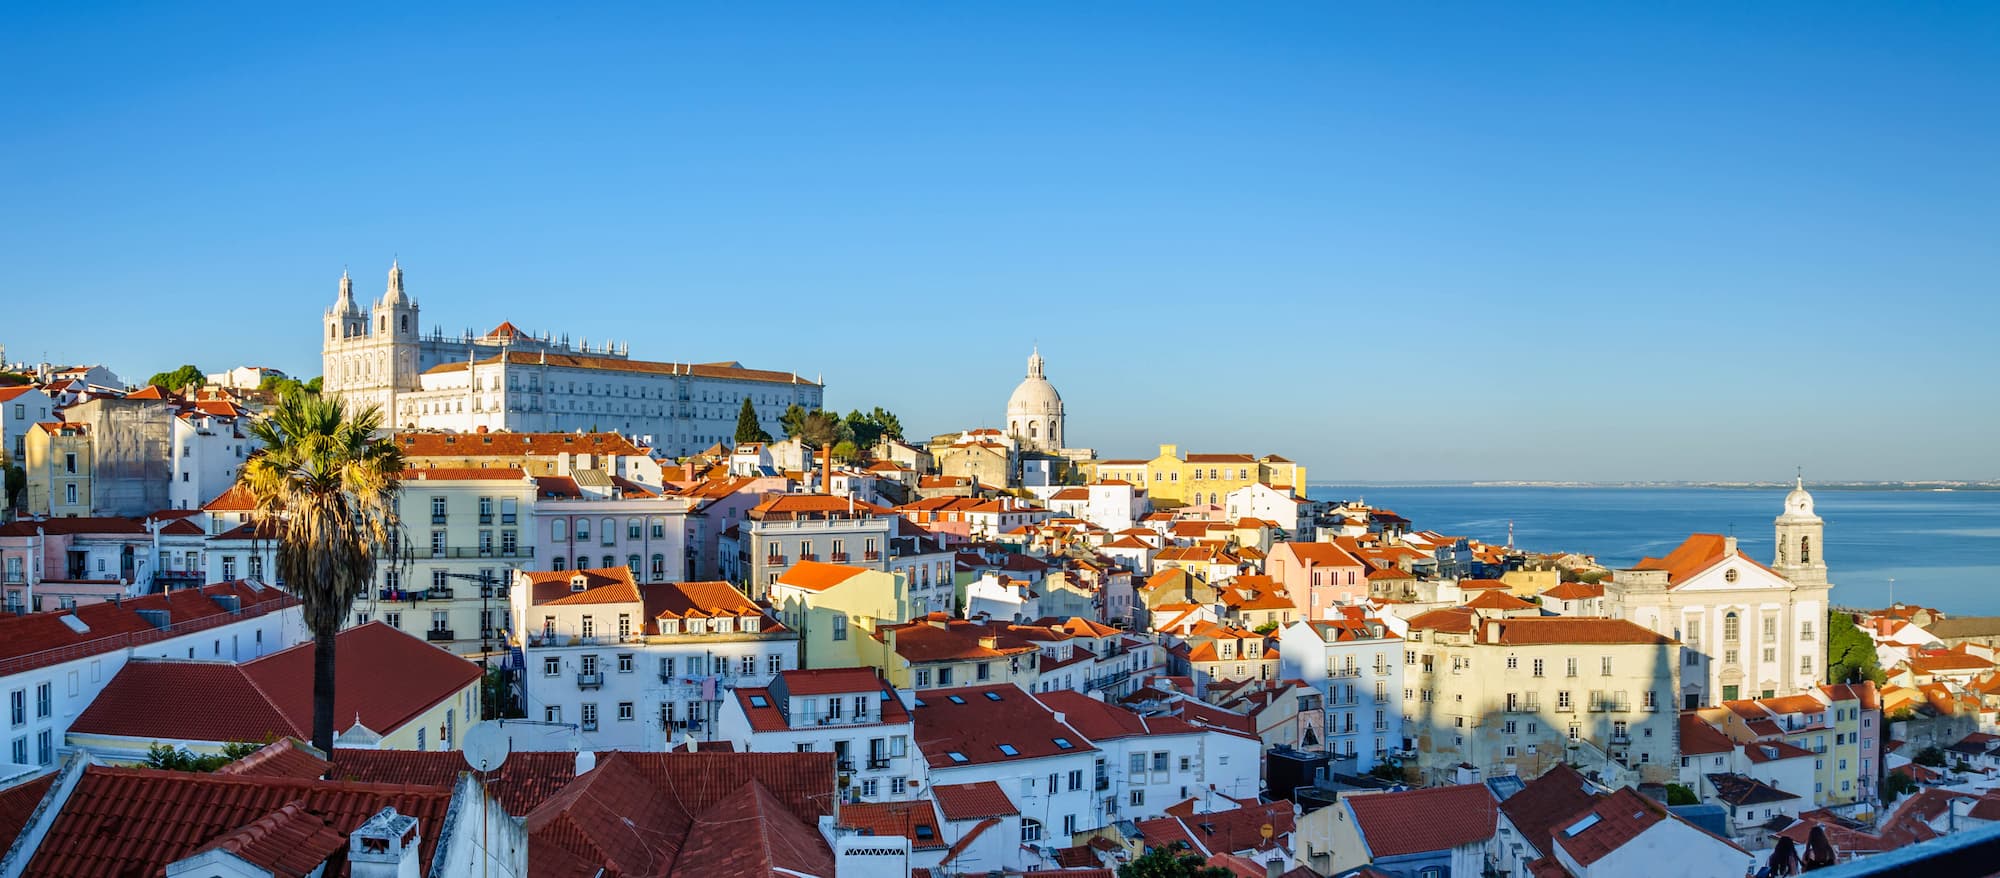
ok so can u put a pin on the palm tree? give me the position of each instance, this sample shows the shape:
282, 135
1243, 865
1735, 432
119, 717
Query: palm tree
324, 489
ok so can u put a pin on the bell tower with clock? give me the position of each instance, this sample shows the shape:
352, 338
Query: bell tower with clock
1801, 553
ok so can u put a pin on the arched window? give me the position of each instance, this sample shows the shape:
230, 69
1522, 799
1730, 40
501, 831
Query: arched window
405, 321
632, 564
610, 562
1805, 550
1730, 627
607, 530
659, 566
582, 561
1034, 429
558, 563
331, 332
384, 323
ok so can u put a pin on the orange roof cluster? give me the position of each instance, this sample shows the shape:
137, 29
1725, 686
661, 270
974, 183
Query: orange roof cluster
429, 444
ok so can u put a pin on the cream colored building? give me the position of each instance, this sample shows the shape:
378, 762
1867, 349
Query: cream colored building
459, 525
1518, 695
1749, 630
836, 608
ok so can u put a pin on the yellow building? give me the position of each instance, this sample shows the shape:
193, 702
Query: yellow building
1208, 478
1518, 695
939, 652
401, 694
463, 526
59, 464
835, 608
1826, 721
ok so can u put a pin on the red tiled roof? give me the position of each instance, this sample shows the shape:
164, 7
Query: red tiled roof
18, 803
601, 585
37, 640
121, 822
1496, 599
1696, 554
1574, 591
917, 821
1621, 817
504, 444
1528, 631
1416, 821
976, 721
1103, 721
289, 842
680, 600
923, 640
287, 757
640, 814
462, 474
1698, 737
970, 801
1238, 829
272, 696
1556, 797
1457, 620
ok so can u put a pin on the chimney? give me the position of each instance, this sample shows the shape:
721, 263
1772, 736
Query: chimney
385, 847
1728, 545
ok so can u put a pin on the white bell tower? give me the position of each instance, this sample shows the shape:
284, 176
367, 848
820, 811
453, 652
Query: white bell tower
1801, 552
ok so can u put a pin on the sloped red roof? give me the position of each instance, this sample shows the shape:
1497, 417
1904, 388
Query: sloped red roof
1556, 797
1215, 832
818, 575
641, 814
41, 639
1621, 816
976, 721
290, 842
496, 444
122, 822
271, 697
1416, 821
970, 801
18, 803
1698, 737
917, 821
1104, 721
1497, 599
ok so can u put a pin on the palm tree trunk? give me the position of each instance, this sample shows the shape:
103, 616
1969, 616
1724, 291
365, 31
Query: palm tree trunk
323, 642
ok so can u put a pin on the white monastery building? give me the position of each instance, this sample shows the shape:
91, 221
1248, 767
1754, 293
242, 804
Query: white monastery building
511, 380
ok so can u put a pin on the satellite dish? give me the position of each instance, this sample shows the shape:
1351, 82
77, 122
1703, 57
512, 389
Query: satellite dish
486, 745
1267, 830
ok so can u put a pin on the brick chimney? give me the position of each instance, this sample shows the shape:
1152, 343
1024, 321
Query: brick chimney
385, 847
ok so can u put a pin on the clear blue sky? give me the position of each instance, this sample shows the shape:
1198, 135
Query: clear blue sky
1472, 240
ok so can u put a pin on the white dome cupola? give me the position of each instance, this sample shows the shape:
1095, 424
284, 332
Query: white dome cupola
1035, 410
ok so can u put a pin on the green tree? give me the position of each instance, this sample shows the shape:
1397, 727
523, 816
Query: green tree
1680, 795
314, 384
1850, 654
180, 380
747, 428
891, 425
863, 428
1171, 862
1931, 756
1897, 785
793, 421
845, 450
1266, 628
822, 429
167, 758
17, 482
324, 488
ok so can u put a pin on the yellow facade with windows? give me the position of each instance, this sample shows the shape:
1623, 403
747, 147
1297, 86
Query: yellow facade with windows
1208, 478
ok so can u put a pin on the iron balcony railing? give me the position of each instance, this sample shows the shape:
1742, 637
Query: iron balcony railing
436, 634
481, 552
590, 681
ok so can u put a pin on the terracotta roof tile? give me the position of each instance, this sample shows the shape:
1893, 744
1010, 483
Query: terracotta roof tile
970, 725
818, 575
970, 801
917, 821
1416, 821
40, 639
271, 697
1556, 797
121, 822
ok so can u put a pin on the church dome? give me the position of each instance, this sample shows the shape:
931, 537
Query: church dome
1799, 503
1034, 395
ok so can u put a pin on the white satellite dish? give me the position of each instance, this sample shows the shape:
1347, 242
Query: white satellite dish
486, 745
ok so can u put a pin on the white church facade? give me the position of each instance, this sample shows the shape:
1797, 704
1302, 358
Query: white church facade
1747, 630
507, 379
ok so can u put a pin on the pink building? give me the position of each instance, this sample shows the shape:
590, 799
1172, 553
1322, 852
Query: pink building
1318, 576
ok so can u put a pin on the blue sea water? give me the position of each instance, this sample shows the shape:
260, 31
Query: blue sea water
1942, 549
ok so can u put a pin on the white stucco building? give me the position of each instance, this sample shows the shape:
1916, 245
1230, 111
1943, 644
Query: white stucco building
1747, 630
633, 666
849, 712
1356, 664
508, 379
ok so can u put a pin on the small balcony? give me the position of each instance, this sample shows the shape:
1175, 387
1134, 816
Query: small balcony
808, 556
436, 635
590, 681
838, 557
590, 725
774, 560
871, 555
485, 518
438, 518
1103, 783
846, 764
878, 763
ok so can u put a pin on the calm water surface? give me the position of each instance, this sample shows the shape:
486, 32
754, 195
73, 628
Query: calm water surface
1943, 549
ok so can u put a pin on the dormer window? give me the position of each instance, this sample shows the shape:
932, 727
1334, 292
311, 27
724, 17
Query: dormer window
724, 624
751, 624
578, 583
670, 626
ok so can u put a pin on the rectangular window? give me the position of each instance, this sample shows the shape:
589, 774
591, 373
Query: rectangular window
44, 700
774, 664
1569, 667
1537, 667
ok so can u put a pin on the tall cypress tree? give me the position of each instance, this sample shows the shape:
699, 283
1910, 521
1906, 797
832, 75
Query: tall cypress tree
747, 429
